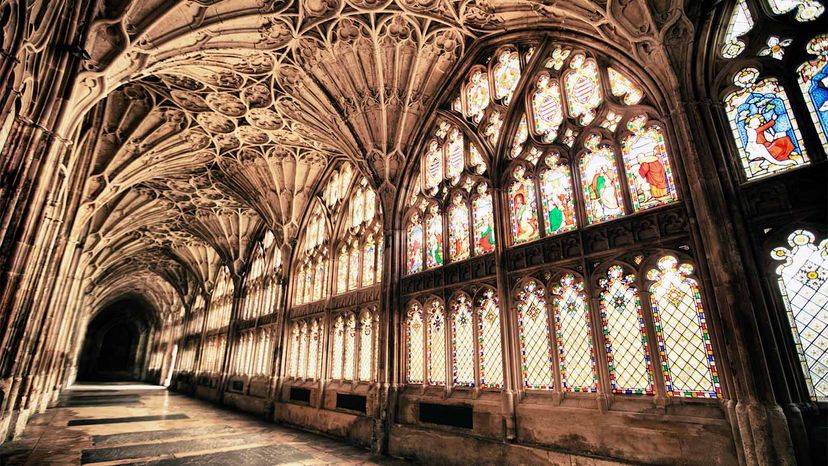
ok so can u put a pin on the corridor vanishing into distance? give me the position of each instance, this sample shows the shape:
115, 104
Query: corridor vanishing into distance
138, 424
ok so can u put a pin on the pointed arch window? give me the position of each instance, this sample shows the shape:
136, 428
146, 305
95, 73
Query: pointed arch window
366, 345
459, 237
535, 340
556, 196
812, 76
483, 218
522, 206
625, 334
338, 346
741, 22
764, 128
574, 335
599, 178
462, 341
491, 355
349, 353
434, 238
649, 174
415, 342
806, 10
436, 341
802, 276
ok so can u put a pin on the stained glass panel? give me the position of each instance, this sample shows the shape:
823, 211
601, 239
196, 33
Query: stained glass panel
350, 348
582, 85
521, 135
433, 164
370, 205
523, 207
575, 342
813, 80
434, 240
368, 263
764, 127
506, 75
303, 350
535, 341
649, 174
337, 346
556, 196
599, 178
414, 246
462, 342
319, 281
803, 282
622, 87
477, 95
455, 162
357, 207
459, 242
342, 271
366, 346
547, 109
294, 352
740, 23
624, 333
683, 338
313, 351
308, 284
415, 339
353, 269
806, 10
300, 286
484, 237
491, 358
436, 344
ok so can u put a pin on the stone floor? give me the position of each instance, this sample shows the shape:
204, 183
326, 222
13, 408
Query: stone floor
136, 424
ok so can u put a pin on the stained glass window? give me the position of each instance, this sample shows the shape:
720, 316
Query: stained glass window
575, 341
556, 196
294, 352
506, 74
433, 164
436, 343
313, 353
624, 333
319, 281
813, 80
338, 346
491, 358
740, 23
523, 207
303, 350
353, 270
521, 135
414, 245
434, 239
380, 248
535, 341
806, 10
763, 124
484, 237
308, 284
683, 338
622, 87
357, 207
547, 109
477, 95
803, 283
300, 286
370, 205
455, 162
342, 271
599, 178
366, 346
649, 174
582, 84
350, 347
462, 342
368, 262
415, 339
459, 242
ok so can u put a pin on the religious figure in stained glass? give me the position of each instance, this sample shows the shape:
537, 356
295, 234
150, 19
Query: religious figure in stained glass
763, 125
649, 174
803, 283
681, 327
523, 207
535, 341
484, 242
582, 84
459, 242
434, 239
556, 196
414, 245
599, 177
813, 80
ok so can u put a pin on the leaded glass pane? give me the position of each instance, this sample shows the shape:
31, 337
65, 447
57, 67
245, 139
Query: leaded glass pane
304, 343
803, 282
556, 196
436, 344
415, 339
740, 23
491, 358
455, 162
366, 346
414, 246
462, 342
683, 338
523, 207
624, 333
459, 242
575, 342
368, 263
806, 10
313, 351
294, 351
342, 271
353, 270
484, 237
433, 164
477, 95
599, 178
506, 75
535, 341
582, 84
622, 87
350, 348
547, 108
434, 240
337, 346
813, 80
649, 174
764, 128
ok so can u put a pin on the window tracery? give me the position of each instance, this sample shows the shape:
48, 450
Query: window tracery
311, 278
358, 260
305, 348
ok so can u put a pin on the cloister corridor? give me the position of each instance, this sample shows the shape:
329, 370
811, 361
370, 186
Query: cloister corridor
139, 424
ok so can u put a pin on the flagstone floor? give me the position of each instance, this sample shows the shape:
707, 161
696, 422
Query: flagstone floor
109, 424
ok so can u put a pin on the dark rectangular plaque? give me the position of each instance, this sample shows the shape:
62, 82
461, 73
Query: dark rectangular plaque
447, 415
351, 402
300, 394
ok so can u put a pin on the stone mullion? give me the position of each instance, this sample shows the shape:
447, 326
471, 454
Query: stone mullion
386, 365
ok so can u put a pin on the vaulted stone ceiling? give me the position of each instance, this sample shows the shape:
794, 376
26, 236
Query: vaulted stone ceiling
208, 121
